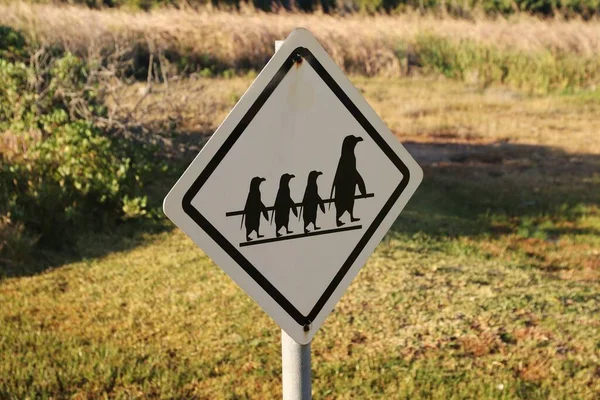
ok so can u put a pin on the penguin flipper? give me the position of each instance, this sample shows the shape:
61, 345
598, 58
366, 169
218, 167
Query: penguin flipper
293, 207
322, 205
361, 184
265, 213
331, 196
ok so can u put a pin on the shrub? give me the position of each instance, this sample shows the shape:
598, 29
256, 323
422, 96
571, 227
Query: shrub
59, 171
76, 177
15, 245
12, 44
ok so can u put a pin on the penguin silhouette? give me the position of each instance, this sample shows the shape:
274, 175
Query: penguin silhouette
345, 181
254, 208
311, 201
283, 205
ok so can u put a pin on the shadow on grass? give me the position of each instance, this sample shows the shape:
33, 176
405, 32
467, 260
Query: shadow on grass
98, 241
89, 245
474, 189
468, 190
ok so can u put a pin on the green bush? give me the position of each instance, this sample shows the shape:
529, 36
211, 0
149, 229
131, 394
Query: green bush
59, 172
75, 178
38, 101
12, 44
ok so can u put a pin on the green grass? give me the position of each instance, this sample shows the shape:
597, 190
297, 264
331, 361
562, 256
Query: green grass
162, 321
538, 72
487, 287
432, 315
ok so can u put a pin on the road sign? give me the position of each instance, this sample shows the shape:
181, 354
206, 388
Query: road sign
296, 188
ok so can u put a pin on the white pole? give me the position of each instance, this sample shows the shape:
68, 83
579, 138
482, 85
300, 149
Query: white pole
295, 358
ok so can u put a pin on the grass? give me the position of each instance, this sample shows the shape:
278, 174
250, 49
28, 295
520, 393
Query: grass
421, 110
487, 287
527, 53
162, 321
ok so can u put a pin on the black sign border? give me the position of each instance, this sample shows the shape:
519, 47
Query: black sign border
296, 56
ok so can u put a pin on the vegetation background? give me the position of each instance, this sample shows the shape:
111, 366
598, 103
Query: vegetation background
488, 286
462, 8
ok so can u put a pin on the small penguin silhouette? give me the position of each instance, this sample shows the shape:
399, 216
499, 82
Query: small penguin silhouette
311, 201
254, 208
283, 205
345, 181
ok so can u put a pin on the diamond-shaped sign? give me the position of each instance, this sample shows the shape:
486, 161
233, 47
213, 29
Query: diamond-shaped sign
296, 188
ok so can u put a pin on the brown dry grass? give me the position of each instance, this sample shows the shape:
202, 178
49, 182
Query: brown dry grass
424, 110
246, 38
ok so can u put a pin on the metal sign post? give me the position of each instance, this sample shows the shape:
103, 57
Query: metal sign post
296, 374
295, 357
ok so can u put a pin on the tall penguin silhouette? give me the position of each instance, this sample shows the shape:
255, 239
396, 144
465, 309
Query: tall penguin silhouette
311, 201
254, 208
345, 181
283, 205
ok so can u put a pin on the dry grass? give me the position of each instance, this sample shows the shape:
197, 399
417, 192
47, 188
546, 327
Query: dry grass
246, 38
436, 110
419, 110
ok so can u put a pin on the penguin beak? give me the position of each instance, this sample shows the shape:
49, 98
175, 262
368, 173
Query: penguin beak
319, 173
359, 139
292, 176
262, 179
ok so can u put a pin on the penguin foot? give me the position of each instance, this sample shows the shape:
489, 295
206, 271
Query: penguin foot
277, 234
288, 232
339, 223
306, 230
317, 228
260, 236
354, 219
248, 238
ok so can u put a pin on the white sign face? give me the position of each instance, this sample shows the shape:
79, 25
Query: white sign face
296, 188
